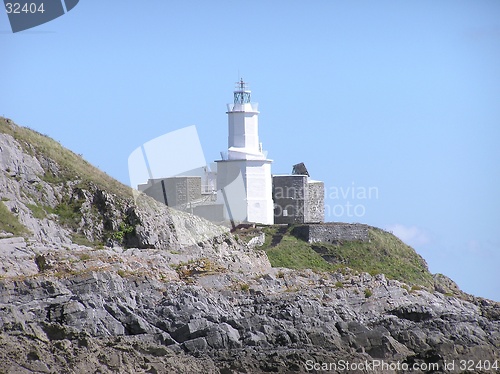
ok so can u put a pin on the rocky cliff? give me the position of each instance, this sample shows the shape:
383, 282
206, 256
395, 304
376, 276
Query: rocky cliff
95, 281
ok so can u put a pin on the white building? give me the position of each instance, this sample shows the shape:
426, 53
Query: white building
244, 173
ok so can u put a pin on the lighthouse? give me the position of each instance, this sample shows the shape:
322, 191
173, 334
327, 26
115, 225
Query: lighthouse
244, 173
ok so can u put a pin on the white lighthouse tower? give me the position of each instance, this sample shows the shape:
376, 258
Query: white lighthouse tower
244, 174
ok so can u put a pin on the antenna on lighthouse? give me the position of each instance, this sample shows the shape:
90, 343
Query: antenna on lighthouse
241, 94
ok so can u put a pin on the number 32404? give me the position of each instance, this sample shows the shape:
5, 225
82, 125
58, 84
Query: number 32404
18, 8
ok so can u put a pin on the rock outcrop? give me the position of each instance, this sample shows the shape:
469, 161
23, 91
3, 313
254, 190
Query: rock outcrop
59, 206
101, 283
224, 322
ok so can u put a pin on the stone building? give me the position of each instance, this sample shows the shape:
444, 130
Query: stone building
185, 193
298, 198
174, 191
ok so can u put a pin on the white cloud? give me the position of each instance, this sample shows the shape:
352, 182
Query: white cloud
483, 248
411, 235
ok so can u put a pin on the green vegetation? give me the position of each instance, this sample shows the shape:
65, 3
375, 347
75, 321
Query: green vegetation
10, 223
123, 232
291, 252
81, 239
69, 214
71, 165
382, 254
368, 293
122, 273
37, 211
84, 257
415, 288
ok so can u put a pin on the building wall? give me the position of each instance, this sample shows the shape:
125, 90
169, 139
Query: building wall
154, 189
212, 212
332, 232
180, 191
315, 205
290, 194
246, 188
298, 199
259, 192
243, 130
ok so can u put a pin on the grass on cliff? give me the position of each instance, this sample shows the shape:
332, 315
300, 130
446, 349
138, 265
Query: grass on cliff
10, 223
384, 254
72, 166
291, 252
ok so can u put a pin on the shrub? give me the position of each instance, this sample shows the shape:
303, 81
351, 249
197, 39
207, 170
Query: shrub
121, 273
124, 231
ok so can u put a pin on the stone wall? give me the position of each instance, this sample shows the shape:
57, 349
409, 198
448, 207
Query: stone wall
289, 196
182, 190
332, 232
174, 191
298, 199
315, 204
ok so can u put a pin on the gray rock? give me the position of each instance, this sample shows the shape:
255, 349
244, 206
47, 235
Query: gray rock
193, 329
196, 345
445, 285
169, 297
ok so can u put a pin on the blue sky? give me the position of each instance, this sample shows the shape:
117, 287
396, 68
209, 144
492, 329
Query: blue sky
402, 96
